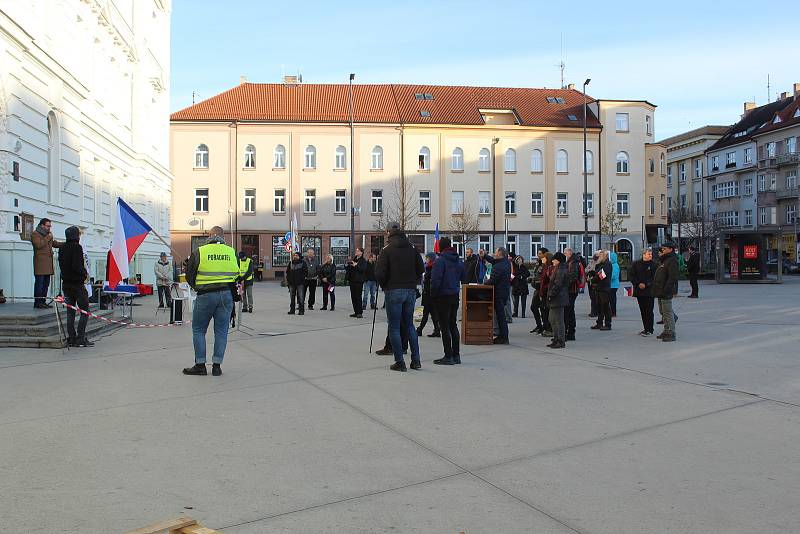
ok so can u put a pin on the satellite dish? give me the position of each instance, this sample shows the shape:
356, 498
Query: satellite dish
194, 221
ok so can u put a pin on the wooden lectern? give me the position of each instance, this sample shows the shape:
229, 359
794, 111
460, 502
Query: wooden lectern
477, 311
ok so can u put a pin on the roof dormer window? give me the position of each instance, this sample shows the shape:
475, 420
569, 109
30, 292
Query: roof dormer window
572, 117
776, 120
796, 113
423, 96
555, 100
424, 113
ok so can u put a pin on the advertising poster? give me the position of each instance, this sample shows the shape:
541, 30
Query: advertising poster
734, 252
750, 258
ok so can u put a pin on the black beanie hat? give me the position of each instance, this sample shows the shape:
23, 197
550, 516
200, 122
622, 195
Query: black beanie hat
73, 233
560, 257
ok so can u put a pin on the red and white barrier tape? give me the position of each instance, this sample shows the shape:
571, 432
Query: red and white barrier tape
60, 300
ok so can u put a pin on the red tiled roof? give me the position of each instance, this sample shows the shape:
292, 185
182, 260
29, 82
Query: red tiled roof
387, 103
787, 118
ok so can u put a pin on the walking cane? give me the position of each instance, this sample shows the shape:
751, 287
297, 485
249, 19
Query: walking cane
372, 335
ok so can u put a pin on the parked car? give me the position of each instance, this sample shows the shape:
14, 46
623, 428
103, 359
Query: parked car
789, 267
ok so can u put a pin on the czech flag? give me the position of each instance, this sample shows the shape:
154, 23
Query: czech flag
436, 239
628, 291
129, 232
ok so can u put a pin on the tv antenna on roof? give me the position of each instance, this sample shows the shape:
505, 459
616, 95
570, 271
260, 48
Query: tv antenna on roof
561, 65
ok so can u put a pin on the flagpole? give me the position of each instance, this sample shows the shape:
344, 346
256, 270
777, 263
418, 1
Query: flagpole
178, 256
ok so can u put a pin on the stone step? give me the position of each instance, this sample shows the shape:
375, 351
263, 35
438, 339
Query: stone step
43, 332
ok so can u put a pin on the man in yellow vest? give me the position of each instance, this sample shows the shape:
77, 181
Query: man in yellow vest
247, 273
212, 271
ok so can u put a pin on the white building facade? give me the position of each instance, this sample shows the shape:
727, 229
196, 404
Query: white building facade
84, 107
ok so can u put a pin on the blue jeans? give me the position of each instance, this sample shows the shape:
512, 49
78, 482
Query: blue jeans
400, 313
371, 290
218, 305
41, 283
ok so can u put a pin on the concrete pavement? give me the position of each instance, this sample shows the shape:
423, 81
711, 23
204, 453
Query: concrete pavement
307, 432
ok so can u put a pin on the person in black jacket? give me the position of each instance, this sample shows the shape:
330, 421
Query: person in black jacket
519, 286
665, 286
601, 281
327, 278
356, 274
73, 280
576, 276
693, 269
446, 276
296, 273
370, 291
428, 309
558, 299
471, 269
501, 280
642, 272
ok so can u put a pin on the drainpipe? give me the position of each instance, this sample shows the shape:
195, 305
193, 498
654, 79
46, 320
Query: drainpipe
495, 140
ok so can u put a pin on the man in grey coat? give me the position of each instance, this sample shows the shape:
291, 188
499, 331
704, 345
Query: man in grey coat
312, 264
665, 286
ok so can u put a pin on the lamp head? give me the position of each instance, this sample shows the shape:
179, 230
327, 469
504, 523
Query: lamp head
587, 81
352, 76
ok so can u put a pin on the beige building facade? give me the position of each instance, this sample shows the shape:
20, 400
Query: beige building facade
509, 161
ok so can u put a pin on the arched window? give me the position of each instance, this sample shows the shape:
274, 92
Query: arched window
341, 157
589, 161
53, 159
458, 160
510, 161
622, 162
201, 157
661, 164
279, 157
249, 157
424, 159
310, 161
483, 160
562, 161
376, 162
652, 166
537, 162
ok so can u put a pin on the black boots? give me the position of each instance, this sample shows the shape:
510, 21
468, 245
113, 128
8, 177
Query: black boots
196, 369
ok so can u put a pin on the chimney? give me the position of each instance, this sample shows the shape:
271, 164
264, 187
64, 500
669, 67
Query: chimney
242, 80
785, 95
290, 79
748, 107
571, 87
796, 89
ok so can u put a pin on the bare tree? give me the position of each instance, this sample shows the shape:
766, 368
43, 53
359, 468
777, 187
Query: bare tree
400, 206
465, 224
611, 223
702, 230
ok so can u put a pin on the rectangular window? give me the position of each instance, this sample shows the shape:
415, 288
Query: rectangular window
748, 186
730, 159
280, 201
762, 183
485, 243
762, 215
791, 145
537, 242
280, 256
661, 205
698, 168
748, 217
424, 202
648, 121
511, 202
791, 180
714, 163
377, 201
511, 244
201, 200
622, 204
652, 206
698, 203
457, 163
748, 155
341, 159
310, 201
669, 175
340, 205
588, 204
771, 149
536, 204
773, 181
279, 158
791, 213
563, 242
561, 204
457, 202
484, 203
249, 200
682, 172
622, 122
483, 161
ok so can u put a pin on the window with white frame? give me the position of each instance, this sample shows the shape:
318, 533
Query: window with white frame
458, 244
698, 203
457, 202
747, 186
669, 176
537, 161
561, 203
622, 162
698, 168
622, 122
457, 163
791, 145
279, 157
310, 201
511, 202
725, 189
484, 202
340, 202
485, 243
661, 205
279, 205
562, 161
424, 159
511, 244
773, 180
791, 213
771, 149
249, 200
652, 206
730, 159
249, 157
748, 217
424, 202
727, 218
340, 161
762, 183
537, 242
201, 200
648, 121
748, 154
791, 180
201, 157
623, 204
376, 158
662, 163
483, 160
590, 162
714, 163
763, 216
510, 161
537, 203
563, 243
682, 172
310, 161
377, 201
588, 204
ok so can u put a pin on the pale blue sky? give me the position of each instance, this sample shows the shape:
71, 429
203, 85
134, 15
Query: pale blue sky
698, 61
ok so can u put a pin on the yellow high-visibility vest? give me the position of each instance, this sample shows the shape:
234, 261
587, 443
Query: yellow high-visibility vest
244, 265
218, 265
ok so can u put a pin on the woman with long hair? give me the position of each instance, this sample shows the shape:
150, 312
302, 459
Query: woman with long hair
327, 276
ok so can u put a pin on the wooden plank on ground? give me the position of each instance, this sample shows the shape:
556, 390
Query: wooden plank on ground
172, 525
197, 529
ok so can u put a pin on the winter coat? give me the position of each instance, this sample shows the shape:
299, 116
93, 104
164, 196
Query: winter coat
163, 273
642, 273
603, 284
399, 264
612, 257
70, 260
355, 274
575, 274
519, 285
558, 288
43, 252
312, 267
446, 274
296, 273
665, 279
472, 270
693, 265
328, 271
501, 279
544, 280
369, 275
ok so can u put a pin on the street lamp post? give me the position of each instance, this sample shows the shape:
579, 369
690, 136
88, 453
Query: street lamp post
585, 177
352, 165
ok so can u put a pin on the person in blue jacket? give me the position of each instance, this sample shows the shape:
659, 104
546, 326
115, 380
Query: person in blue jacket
446, 276
500, 278
612, 257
